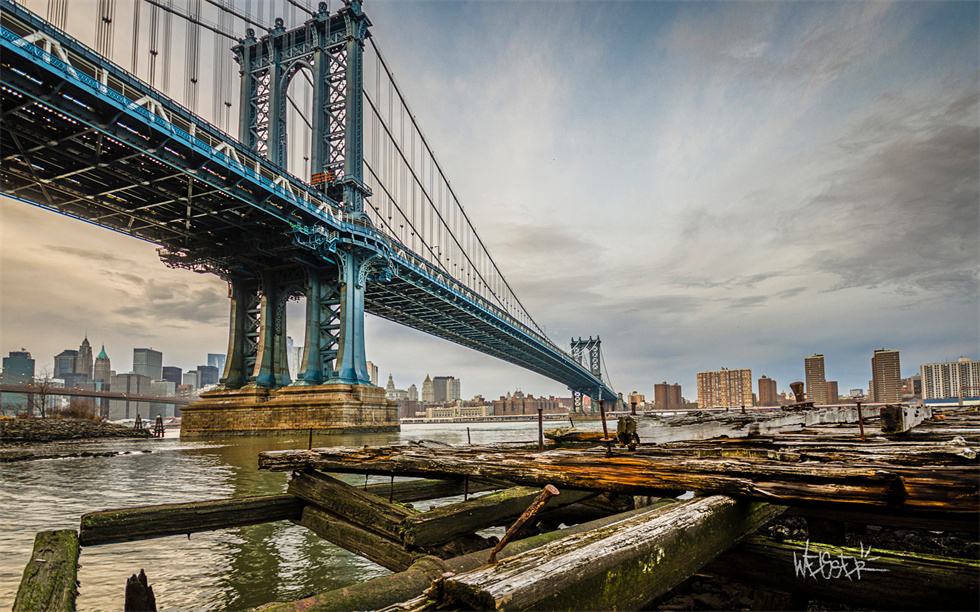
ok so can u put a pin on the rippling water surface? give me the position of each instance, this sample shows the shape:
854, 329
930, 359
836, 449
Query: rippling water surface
231, 569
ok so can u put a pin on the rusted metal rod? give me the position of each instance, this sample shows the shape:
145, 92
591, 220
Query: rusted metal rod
512, 531
540, 429
860, 420
605, 431
633, 408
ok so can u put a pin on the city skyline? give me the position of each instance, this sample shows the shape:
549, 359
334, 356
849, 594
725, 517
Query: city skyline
774, 182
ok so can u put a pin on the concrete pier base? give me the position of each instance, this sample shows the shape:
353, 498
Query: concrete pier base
253, 411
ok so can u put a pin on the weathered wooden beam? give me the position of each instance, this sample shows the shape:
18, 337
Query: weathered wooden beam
455, 520
406, 491
879, 579
387, 590
363, 509
384, 551
885, 488
127, 524
623, 566
50, 580
899, 419
967, 523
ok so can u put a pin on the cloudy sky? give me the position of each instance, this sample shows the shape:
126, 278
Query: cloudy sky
703, 185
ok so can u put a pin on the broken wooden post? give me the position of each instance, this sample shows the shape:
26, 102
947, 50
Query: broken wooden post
139, 594
623, 566
50, 580
540, 429
879, 579
860, 420
128, 524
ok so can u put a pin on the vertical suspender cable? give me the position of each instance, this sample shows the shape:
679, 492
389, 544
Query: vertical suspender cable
136, 37
165, 48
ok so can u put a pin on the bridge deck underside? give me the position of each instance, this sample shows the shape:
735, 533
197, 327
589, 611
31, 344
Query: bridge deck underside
70, 148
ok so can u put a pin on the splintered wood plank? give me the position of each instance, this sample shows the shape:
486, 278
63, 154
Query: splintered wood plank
50, 580
127, 524
873, 487
622, 566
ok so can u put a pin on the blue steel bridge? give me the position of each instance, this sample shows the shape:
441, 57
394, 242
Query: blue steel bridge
353, 212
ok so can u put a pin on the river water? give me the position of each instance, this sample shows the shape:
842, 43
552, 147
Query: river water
230, 569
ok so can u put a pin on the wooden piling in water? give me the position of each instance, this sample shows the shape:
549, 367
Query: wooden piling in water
50, 580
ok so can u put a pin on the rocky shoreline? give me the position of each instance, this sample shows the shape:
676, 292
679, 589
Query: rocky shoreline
50, 430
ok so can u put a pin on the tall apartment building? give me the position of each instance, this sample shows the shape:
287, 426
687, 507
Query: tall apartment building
948, 379
886, 377
833, 395
816, 381
64, 364
444, 389
725, 388
667, 397
174, 375
148, 363
767, 392
373, 373
636, 398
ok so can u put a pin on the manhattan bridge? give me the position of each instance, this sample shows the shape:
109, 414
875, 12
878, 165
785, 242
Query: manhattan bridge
290, 166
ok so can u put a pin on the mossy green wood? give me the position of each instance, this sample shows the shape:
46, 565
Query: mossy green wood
50, 581
385, 552
623, 566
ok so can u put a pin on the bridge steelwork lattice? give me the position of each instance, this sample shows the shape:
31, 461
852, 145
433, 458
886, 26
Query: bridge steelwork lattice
372, 225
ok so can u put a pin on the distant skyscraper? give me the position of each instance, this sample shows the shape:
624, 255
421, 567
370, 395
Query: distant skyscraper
428, 395
816, 381
725, 388
454, 389
18, 369
191, 378
130, 384
64, 364
767, 392
148, 363
413, 393
373, 373
83, 363
947, 380
667, 397
217, 360
103, 368
832, 394
445, 389
207, 375
886, 377
174, 375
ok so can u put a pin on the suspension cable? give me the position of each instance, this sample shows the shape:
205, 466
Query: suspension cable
245, 18
195, 21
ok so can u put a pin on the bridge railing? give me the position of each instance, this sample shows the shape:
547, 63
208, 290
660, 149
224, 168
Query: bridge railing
114, 82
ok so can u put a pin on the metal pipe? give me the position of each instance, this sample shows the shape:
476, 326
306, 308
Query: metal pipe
512, 531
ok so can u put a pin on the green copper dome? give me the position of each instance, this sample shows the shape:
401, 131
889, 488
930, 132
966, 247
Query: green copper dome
102, 354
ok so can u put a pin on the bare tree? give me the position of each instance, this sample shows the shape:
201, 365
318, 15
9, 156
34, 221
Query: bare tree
41, 389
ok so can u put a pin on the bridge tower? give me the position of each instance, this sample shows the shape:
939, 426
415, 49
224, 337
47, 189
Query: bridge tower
329, 48
333, 387
587, 352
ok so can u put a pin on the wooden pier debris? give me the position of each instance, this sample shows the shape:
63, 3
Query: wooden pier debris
128, 524
879, 579
623, 566
900, 419
871, 485
393, 588
50, 580
662, 429
385, 551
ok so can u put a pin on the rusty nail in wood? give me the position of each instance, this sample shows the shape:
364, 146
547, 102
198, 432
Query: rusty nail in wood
468, 441
512, 531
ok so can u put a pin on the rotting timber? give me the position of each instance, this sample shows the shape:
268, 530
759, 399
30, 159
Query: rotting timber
612, 553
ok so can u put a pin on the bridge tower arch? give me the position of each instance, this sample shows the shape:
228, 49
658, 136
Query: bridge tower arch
330, 48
